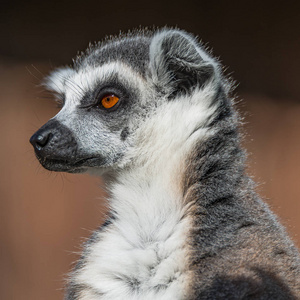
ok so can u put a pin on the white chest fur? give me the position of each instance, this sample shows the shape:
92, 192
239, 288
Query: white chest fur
143, 254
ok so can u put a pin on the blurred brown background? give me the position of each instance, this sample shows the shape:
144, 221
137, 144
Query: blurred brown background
45, 216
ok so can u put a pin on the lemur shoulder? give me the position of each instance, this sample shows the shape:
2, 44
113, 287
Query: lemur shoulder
151, 113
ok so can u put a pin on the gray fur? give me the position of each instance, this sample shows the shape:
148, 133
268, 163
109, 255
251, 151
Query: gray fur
242, 250
132, 48
236, 247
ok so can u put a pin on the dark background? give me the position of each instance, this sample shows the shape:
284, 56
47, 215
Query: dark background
258, 40
44, 215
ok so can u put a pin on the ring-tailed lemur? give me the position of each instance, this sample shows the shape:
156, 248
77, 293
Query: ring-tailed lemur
151, 112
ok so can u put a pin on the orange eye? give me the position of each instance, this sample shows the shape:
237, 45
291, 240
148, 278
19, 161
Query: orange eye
109, 101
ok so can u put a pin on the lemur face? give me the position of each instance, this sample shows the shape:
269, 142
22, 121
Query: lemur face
101, 109
110, 92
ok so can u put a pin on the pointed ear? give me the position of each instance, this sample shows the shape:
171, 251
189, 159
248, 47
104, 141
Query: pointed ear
55, 82
178, 64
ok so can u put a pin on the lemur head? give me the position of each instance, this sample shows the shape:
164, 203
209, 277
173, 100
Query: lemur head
117, 90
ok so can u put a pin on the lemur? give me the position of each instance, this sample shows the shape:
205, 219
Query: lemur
151, 112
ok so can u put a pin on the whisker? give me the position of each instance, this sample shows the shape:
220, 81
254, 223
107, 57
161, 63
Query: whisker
59, 90
43, 75
39, 79
75, 87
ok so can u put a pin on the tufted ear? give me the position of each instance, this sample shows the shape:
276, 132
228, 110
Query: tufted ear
177, 63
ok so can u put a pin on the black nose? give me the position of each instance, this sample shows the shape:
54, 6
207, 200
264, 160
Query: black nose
40, 139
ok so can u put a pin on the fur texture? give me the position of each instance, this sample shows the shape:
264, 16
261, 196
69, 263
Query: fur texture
185, 221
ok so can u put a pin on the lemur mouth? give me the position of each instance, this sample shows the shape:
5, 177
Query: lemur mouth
64, 165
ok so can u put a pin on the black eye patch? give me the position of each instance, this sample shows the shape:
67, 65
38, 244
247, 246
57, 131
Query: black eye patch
111, 87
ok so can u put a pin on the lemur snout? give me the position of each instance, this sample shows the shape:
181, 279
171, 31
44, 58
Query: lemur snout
53, 140
57, 150
47, 138
40, 139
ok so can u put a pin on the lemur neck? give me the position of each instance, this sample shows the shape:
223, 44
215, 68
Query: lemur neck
146, 239
151, 204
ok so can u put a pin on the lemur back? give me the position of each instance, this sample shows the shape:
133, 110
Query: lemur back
151, 113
